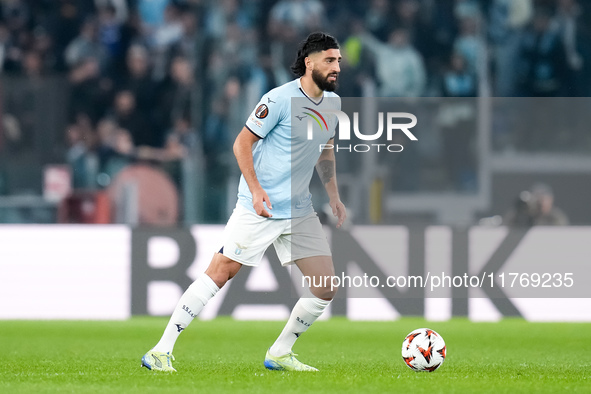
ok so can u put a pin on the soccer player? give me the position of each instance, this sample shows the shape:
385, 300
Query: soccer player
274, 203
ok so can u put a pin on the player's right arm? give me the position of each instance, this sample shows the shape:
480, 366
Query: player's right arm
243, 152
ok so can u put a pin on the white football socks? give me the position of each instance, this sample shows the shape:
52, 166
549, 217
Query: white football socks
304, 313
188, 307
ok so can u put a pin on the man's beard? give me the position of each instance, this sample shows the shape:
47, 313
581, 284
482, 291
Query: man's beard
322, 81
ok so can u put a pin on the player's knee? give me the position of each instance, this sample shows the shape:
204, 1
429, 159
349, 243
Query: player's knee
221, 269
324, 292
218, 277
330, 293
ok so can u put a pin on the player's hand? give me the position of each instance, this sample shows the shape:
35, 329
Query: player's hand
339, 211
259, 198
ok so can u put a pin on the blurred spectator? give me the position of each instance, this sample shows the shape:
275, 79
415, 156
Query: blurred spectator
355, 79
64, 20
457, 119
131, 33
357, 64
507, 20
303, 16
124, 143
11, 136
410, 16
577, 46
238, 51
80, 140
191, 43
467, 9
119, 7
177, 94
221, 127
32, 64
151, 14
181, 139
218, 126
543, 58
4, 44
115, 150
12, 50
458, 80
377, 19
171, 28
443, 25
90, 91
123, 152
289, 22
17, 16
399, 67
109, 31
216, 17
127, 116
536, 208
521, 214
16, 13
545, 212
138, 80
86, 45
43, 44
470, 44
106, 130
165, 36
76, 155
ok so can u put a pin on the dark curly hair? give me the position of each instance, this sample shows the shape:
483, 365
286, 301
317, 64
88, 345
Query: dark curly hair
316, 42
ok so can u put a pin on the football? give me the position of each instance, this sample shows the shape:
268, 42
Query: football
423, 350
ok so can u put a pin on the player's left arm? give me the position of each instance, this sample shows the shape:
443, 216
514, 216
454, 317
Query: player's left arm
326, 168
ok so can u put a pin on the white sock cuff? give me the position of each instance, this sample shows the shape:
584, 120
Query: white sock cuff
206, 279
204, 288
314, 305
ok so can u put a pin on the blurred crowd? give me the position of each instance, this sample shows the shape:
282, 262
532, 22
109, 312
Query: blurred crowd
156, 79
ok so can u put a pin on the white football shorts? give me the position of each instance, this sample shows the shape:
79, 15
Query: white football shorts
248, 235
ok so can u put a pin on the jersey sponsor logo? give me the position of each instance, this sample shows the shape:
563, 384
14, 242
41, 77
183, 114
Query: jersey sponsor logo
262, 111
257, 122
316, 118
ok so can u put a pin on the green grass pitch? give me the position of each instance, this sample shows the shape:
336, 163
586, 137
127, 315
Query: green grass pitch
224, 355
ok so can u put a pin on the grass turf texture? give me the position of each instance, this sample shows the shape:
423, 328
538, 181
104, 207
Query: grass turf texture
227, 356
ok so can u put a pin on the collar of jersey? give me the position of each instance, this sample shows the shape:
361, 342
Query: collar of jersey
308, 97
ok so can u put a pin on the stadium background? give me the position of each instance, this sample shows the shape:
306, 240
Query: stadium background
124, 112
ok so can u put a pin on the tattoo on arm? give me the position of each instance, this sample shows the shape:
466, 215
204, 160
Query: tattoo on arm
326, 170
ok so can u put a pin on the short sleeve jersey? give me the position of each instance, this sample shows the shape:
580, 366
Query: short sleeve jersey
285, 156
